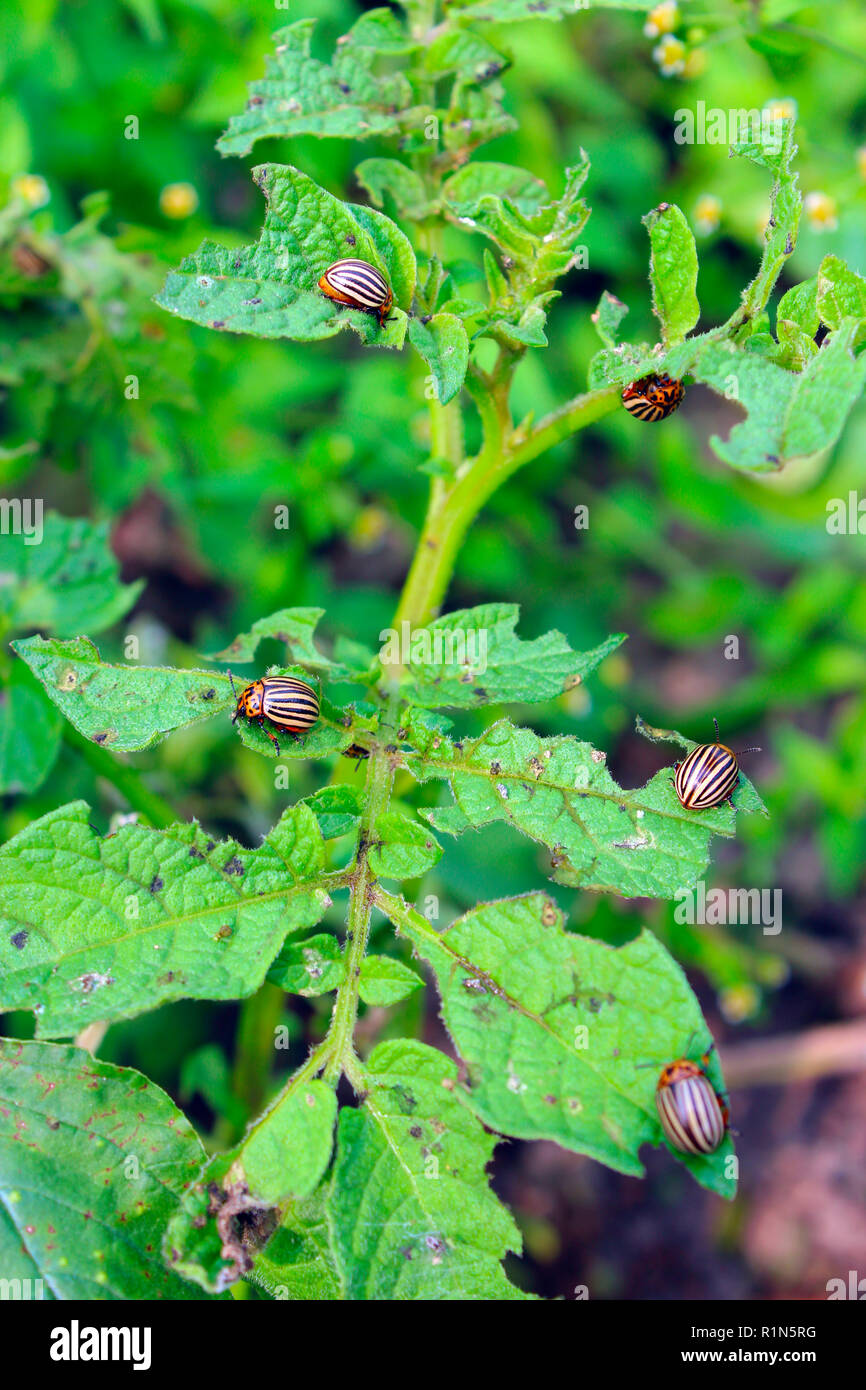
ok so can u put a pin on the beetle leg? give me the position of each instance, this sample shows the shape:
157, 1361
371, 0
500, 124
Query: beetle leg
261, 724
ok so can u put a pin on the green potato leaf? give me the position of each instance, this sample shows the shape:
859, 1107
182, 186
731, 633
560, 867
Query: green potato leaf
130, 707
557, 1030
827, 388
107, 1160
558, 792
312, 966
388, 178
296, 627
474, 657
99, 927
409, 1208
385, 981
402, 848
346, 98
673, 272
840, 294
298, 1263
271, 289
236, 1202
444, 345
608, 317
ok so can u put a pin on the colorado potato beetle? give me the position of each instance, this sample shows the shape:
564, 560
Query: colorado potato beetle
653, 397
693, 1118
359, 286
287, 703
708, 775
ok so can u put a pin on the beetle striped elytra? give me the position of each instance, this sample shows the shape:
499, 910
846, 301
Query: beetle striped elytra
653, 397
286, 702
693, 1117
359, 286
708, 776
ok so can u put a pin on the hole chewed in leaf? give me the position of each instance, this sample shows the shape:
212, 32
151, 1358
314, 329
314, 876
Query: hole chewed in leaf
244, 1226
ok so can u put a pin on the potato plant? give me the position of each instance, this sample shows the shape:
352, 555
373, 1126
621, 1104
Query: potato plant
377, 1188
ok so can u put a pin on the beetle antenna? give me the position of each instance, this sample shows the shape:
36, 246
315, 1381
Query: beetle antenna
749, 750
231, 682
716, 724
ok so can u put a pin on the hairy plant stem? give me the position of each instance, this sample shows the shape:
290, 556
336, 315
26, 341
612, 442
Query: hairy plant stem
377, 793
455, 505
452, 508
313, 1065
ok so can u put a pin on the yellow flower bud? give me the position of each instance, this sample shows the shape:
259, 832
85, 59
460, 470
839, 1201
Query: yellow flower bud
708, 214
662, 20
31, 189
821, 212
670, 55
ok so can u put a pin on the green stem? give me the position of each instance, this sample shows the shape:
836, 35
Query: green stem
453, 506
340, 1039
552, 429
310, 1068
126, 780
446, 431
453, 509
403, 914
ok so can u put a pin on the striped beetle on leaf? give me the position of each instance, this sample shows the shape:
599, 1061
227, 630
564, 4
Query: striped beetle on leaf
693, 1117
286, 702
708, 776
653, 397
359, 286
